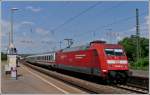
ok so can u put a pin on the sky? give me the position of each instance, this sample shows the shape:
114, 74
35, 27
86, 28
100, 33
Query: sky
40, 26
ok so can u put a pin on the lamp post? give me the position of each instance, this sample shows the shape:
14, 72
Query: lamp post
12, 57
11, 45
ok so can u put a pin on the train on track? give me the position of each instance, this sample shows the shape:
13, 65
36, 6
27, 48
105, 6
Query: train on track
97, 58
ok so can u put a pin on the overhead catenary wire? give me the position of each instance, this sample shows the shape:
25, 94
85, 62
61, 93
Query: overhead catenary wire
108, 25
83, 12
76, 16
125, 31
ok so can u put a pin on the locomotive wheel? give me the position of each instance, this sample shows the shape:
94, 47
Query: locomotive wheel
112, 77
116, 77
121, 78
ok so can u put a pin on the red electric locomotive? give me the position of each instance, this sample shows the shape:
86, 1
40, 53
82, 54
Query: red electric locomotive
108, 61
98, 58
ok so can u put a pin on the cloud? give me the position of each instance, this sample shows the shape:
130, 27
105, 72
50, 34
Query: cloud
20, 42
41, 31
147, 19
5, 28
33, 9
27, 22
26, 42
48, 40
16, 26
144, 32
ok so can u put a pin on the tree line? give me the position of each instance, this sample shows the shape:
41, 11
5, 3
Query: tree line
130, 45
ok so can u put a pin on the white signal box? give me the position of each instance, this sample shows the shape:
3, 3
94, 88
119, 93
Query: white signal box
12, 65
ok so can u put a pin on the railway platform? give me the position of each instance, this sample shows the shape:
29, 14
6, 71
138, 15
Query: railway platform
30, 81
140, 73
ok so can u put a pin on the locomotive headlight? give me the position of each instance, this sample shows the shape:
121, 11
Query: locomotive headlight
104, 70
110, 61
123, 61
117, 61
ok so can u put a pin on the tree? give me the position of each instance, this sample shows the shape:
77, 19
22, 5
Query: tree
129, 44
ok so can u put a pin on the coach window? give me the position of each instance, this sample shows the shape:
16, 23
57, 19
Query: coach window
51, 57
46, 57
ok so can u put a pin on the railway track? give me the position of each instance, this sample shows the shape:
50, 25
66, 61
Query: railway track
139, 82
92, 87
133, 88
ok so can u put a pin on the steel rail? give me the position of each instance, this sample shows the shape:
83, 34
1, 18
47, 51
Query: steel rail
89, 86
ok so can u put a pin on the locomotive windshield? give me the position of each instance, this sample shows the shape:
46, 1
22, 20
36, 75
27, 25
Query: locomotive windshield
114, 52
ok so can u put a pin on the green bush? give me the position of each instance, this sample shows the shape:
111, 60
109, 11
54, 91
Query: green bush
142, 63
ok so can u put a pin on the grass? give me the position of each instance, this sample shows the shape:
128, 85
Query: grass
140, 64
